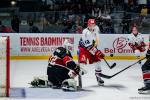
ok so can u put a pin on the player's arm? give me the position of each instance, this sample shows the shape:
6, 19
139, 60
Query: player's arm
132, 46
131, 43
142, 45
68, 61
96, 52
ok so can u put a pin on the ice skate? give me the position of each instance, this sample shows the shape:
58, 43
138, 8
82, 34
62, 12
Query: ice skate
99, 80
144, 90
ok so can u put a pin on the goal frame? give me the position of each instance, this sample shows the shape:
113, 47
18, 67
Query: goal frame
7, 81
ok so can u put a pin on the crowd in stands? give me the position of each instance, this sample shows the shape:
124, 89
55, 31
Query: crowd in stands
72, 16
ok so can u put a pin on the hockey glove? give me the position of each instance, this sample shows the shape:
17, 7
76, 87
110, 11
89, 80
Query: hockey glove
99, 54
80, 70
72, 74
81, 43
132, 46
143, 44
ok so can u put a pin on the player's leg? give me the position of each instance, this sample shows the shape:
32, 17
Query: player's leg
97, 64
146, 77
97, 73
83, 56
41, 81
56, 75
60, 78
69, 84
82, 59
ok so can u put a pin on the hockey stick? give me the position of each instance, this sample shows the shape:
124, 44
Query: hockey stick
79, 76
112, 66
108, 77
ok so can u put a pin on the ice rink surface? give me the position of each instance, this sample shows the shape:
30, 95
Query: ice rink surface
121, 87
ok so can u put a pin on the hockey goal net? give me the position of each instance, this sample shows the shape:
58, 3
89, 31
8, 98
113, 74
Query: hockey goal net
4, 66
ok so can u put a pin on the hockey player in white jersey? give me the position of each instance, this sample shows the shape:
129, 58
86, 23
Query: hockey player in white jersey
88, 48
136, 42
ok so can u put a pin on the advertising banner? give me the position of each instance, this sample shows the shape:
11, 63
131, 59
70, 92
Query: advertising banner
44, 44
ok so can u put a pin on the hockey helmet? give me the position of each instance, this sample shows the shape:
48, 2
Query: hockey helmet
67, 44
91, 22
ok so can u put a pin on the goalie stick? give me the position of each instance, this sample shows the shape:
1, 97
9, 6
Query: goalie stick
79, 76
108, 77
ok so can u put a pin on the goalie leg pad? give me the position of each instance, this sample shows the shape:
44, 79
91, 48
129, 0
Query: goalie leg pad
69, 85
41, 82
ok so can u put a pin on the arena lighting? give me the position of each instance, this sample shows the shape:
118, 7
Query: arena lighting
13, 2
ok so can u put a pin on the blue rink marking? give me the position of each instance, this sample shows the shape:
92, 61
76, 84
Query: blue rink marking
17, 93
46, 93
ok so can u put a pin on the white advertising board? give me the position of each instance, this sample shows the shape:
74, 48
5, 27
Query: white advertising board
44, 44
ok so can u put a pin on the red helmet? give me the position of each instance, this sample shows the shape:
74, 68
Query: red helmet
91, 21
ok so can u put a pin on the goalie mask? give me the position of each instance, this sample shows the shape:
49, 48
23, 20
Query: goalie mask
67, 44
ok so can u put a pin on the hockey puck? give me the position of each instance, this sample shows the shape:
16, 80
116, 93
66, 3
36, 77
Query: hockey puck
111, 55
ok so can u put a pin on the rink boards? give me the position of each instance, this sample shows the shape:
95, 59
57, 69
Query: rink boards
29, 54
30, 46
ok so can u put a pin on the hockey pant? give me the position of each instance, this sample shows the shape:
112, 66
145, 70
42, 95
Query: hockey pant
146, 73
57, 74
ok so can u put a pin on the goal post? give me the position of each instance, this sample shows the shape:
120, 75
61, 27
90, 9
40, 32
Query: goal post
4, 66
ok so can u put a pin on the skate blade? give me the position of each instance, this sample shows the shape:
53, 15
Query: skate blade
144, 92
40, 87
68, 90
100, 84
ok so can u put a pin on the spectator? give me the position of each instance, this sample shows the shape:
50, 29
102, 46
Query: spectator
126, 23
0, 26
143, 15
96, 12
79, 29
7, 29
33, 28
15, 23
144, 12
68, 23
4, 29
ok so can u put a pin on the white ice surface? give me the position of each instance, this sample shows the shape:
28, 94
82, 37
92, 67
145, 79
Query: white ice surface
122, 87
